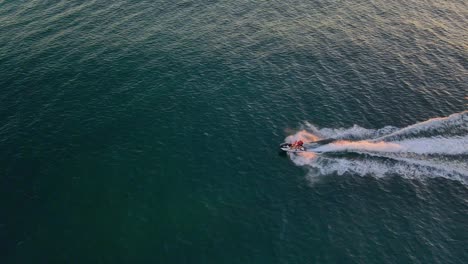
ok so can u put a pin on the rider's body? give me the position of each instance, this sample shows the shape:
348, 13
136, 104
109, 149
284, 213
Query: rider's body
297, 144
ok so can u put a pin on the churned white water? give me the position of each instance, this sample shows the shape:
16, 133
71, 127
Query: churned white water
437, 147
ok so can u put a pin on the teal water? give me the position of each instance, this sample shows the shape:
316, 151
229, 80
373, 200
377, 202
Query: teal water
148, 132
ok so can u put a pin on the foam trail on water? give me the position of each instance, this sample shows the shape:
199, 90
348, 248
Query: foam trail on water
360, 146
370, 167
437, 147
455, 124
355, 133
453, 167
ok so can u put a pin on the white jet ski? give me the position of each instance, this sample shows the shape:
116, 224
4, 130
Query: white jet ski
308, 147
287, 147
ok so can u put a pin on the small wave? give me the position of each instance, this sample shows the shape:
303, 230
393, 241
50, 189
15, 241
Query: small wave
437, 147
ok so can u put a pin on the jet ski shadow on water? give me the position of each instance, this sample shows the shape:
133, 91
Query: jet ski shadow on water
309, 147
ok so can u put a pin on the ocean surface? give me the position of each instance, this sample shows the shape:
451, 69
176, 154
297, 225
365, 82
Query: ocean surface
148, 131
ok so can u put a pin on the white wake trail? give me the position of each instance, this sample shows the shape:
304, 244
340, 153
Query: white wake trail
455, 124
437, 147
406, 168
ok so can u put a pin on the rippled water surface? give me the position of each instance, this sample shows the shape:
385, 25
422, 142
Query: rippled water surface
148, 131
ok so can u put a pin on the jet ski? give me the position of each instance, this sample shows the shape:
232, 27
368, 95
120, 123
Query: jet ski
308, 147
287, 147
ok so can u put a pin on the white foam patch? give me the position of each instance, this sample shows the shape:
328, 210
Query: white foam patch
437, 145
303, 135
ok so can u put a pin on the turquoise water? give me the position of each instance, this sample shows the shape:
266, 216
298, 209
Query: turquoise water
141, 131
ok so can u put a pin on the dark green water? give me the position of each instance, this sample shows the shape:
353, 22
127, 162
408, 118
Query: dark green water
148, 132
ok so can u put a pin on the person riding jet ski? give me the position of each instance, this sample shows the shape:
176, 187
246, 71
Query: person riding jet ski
297, 145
